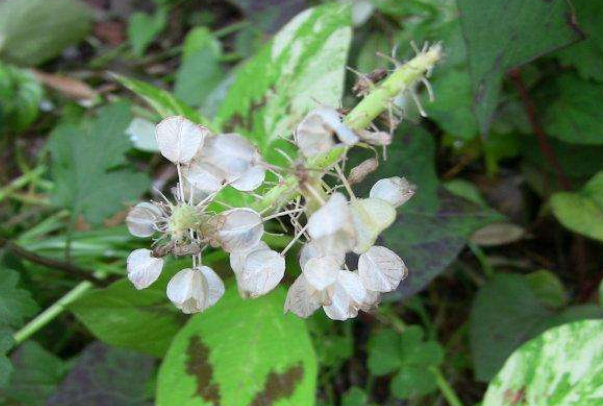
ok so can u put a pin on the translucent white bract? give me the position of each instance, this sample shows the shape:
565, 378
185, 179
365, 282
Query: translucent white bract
380, 269
179, 139
240, 229
395, 190
262, 270
142, 218
371, 217
143, 268
193, 290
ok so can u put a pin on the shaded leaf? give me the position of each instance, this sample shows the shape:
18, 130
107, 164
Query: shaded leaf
240, 352
84, 162
354, 397
502, 34
575, 116
505, 313
548, 288
6, 343
564, 366
302, 66
270, 15
16, 304
582, 211
143, 28
106, 376
36, 376
141, 320
34, 31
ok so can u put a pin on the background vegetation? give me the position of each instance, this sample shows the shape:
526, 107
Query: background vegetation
502, 239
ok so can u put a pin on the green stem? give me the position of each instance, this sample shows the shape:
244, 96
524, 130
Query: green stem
403, 79
446, 389
21, 181
52, 312
482, 259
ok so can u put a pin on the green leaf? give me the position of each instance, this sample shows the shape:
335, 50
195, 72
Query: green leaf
413, 381
20, 97
103, 375
303, 65
240, 352
84, 162
505, 313
575, 115
15, 304
451, 109
162, 101
563, 366
354, 397
587, 56
144, 28
36, 376
141, 320
34, 31
502, 34
6, 343
434, 226
200, 72
384, 353
548, 288
269, 15
582, 212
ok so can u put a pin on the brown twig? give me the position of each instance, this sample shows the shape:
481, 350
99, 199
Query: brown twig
68, 268
543, 142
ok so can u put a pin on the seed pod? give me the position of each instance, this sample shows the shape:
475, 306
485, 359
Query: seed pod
360, 172
379, 138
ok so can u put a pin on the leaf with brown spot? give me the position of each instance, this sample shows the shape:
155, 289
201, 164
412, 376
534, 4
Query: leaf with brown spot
240, 353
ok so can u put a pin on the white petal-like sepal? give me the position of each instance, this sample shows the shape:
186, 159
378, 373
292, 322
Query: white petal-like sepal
396, 190
314, 135
193, 290
232, 153
347, 295
237, 258
143, 268
301, 299
380, 269
250, 180
142, 218
179, 139
334, 217
262, 270
371, 217
321, 272
240, 229
205, 177
321, 248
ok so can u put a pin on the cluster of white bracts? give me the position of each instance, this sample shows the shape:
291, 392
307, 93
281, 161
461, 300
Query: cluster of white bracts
336, 225
206, 164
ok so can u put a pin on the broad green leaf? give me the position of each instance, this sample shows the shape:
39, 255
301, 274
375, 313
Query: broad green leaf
587, 56
575, 115
162, 101
84, 165
302, 67
505, 313
16, 304
582, 211
200, 71
451, 109
240, 352
269, 15
144, 28
354, 397
141, 320
563, 366
34, 31
104, 375
383, 353
548, 288
20, 97
502, 34
6, 343
434, 226
413, 381
36, 376
333, 341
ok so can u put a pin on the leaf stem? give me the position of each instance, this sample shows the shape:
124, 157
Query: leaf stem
445, 387
50, 313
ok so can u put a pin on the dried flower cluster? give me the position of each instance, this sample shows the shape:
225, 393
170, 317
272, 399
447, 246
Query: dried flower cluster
330, 222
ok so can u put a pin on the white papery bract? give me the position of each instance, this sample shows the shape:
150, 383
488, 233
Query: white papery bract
193, 290
321, 130
205, 177
179, 139
261, 272
302, 299
380, 269
346, 295
395, 190
332, 225
143, 268
239, 229
142, 219
371, 216
321, 272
